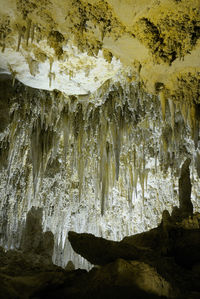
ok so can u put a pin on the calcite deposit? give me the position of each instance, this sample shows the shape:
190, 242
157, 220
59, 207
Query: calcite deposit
49, 44
99, 110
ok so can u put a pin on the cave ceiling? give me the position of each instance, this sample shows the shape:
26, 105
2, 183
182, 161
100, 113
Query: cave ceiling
75, 46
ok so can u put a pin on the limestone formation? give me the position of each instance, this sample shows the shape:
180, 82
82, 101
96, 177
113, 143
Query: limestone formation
99, 109
55, 40
172, 273
182, 244
33, 239
185, 187
86, 163
181, 252
99, 251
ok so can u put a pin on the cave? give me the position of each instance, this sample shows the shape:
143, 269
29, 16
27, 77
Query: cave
99, 149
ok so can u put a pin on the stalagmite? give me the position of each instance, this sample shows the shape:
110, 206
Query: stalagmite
185, 186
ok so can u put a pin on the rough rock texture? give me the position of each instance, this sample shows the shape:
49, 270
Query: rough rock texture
185, 187
99, 251
26, 275
28, 270
183, 244
44, 44
95, 145
33, 238
172, 260
168, 239
169, 270
160, 263
84, 163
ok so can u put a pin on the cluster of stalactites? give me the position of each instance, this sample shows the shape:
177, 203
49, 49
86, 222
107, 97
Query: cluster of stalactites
110, 144
102, 138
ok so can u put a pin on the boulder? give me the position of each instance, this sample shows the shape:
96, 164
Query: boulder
99, 251
140, 279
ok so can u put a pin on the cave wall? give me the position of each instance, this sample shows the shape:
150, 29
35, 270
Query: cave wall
108, 169
99, 108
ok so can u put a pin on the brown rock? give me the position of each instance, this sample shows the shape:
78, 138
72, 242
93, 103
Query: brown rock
99, 251
137, 276
185, 186
33, 239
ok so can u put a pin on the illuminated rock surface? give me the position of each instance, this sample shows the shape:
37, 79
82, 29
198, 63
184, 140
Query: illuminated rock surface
99, 109
59, 44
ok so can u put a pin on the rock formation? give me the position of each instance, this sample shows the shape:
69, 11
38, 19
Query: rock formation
160, 263
185, 189
33, 239
167, 257
69, 45
99, 133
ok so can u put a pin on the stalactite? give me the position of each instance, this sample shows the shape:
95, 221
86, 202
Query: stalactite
32, 32
28, 30
51, 74
20, 33
36, 155
3, 40
184, 111
172, 113
192, 119
163, 103
116, 138
90, 162
131, 183
66, 132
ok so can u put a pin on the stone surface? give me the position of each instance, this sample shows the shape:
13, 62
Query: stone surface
185, 187
120, 116
174, 258
85, 163
182, 244
171, 273
138, 276
172, 238
27, 275
59, 46
99, 251
33, 239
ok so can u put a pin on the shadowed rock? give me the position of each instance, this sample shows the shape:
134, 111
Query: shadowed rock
99, 251
135, 278
168, 239
185, 186
34, 240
